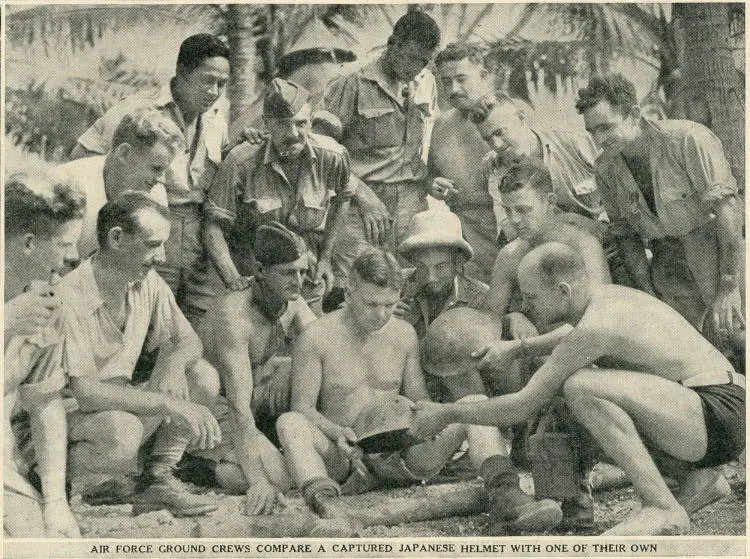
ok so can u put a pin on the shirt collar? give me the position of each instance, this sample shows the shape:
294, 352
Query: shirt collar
166, 99
374, 72
270, 156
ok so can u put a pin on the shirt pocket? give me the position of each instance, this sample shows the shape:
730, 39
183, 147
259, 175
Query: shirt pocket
314, 206
379, 127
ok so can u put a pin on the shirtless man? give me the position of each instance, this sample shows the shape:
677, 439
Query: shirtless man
659, 386
347, 362
242, 336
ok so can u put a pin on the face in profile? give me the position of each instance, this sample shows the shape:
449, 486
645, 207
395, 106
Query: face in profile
609, 128
504, 130
543, 304
371, 306
145, 166
286, 279
289, 135
143, 249
528, 210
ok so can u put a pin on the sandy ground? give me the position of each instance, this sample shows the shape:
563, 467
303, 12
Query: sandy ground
726, 517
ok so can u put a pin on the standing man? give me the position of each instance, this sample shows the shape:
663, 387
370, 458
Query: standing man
355, 359
142, 148
457, 150
246, 336
192, 100
115, 305
667, 183
41, 230
383, 108
295, 177
633, 372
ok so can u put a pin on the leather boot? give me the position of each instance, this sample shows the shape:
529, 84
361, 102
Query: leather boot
511, 509
158, 489
115, 491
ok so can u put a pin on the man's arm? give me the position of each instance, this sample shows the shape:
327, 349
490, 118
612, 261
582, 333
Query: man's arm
307, 378
174, 357
413, 385
218, 252
594, 258
503, 277
728, 303
335, 224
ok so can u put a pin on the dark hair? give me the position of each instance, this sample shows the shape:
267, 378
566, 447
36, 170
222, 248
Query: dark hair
558, 262
527, 171
455, 52
121, 211
482, 109
380, 268
40, 213
196, 48
613, 88
146, 127
418, 27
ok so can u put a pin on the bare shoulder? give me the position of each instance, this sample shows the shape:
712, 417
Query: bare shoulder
445, 120
322, 332
401, 333
510, 257
611, 308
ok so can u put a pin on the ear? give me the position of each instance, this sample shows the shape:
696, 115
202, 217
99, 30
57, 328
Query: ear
483, 73
565, 289
258, 269
114, 237
28, 243
123, 150
552, 198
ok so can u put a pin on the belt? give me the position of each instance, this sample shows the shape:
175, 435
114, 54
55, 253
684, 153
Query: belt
714, 378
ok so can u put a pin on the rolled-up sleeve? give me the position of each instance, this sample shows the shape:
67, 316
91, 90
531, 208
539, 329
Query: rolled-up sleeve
707, 166
98, 137
168, 324
46, 376
344, 184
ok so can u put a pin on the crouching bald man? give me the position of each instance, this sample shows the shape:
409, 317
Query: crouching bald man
634, 373
117, 305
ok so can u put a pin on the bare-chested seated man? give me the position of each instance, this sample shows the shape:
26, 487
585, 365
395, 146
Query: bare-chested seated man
348, 361
634, 373
243, 336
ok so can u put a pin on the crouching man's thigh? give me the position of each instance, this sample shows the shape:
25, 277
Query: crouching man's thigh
22, 516
203, 381
105, 441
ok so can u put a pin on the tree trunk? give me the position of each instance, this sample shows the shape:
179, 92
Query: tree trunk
713, 89
241, 89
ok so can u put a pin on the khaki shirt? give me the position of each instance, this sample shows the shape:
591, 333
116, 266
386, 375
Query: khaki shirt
689, 174
94, 345
193, 168
384, 128
467, 292
251, 188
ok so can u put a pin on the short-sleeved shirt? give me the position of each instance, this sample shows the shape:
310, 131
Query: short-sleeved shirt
569, 157
466, 292
689, 173
384, 123
88, 175
251, 188
94, 345
191, 170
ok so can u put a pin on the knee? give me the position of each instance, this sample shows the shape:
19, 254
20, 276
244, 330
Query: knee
117, 440
577, 390
204, 382
291, 425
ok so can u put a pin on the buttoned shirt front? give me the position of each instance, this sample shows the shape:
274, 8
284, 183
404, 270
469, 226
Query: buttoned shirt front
466, 292
569, 157
689, 173
251, 188
97, 347
193, 167
384, 123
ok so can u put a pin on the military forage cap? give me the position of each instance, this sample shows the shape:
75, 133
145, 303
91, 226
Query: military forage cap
284, 99
275, 244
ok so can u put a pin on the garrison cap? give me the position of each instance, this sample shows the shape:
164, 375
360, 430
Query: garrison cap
284, 99
275, 244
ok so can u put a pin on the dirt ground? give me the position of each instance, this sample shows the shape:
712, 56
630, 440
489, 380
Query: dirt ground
726, 517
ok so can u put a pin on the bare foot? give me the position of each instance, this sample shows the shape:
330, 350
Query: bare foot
652, 521
699, 488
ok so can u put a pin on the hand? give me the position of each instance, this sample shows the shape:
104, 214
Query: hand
430, 419
402, 309
59, 521
519, 326
260, 498
205, 430
239, 284
279, 386
726, 307
29, 313
324, 273
347, 443
442, 188
498, 357
170, 381
254, 136
376, 219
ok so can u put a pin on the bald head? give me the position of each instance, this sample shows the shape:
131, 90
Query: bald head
554, 263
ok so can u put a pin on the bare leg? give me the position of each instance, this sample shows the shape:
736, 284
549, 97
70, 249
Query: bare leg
614, 406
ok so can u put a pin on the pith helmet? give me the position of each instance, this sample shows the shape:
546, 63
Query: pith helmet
453, 336
435, 228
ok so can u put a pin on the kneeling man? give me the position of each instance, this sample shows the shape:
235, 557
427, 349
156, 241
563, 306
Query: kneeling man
356, 358
634, 373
